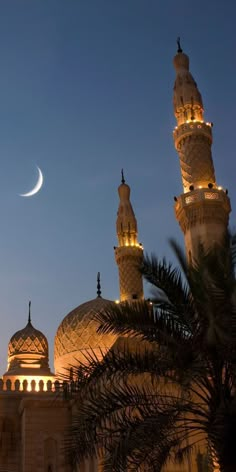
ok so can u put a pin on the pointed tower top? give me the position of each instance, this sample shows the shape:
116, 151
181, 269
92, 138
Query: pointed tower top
123, 189
179, 50
188, 104
99, 292
128, 253
122, 177
126, 224
181, 60
29, 317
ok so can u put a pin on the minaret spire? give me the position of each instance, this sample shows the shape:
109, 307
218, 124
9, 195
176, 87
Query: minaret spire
122, 177
129, 252
99, 292
203, 209
29, 317
178, 44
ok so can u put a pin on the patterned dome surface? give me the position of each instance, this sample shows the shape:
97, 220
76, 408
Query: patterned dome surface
28, 341
78, 330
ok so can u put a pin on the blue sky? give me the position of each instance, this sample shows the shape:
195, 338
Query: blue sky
86, 89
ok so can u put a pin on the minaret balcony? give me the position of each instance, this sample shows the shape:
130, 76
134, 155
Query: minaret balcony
191, 127
201, 194
202, 205
123, 253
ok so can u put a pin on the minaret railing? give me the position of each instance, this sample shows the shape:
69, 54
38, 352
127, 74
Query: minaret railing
31, 386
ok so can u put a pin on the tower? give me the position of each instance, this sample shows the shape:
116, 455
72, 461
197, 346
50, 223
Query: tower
203, 209
129, 253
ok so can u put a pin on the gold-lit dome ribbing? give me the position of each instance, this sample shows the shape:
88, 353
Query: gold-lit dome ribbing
203, 209
28, 340
129, 253
77, 334
28, 352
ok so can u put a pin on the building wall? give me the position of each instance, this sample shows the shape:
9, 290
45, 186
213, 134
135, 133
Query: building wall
10, 437
32, 431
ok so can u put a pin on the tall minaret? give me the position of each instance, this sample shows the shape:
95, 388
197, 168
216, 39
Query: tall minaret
129, 253
203, 209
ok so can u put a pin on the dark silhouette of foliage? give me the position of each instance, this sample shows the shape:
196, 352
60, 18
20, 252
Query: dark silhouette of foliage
168, 384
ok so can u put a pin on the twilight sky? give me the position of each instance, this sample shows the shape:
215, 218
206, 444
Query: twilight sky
86, 89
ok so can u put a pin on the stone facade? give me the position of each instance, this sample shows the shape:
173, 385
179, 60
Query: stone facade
32, 429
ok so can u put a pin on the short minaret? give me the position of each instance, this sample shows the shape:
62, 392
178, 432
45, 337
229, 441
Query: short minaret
203, 209
129, 253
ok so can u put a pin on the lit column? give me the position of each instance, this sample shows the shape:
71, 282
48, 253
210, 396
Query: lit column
203, 209
129, 253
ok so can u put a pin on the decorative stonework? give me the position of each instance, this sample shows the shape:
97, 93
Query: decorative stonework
199, 128
129, 260
28, 355
187, 99
129, 253
78, 331
200, 213
202, 206
126, 224
203, 209
196, 161
28, 340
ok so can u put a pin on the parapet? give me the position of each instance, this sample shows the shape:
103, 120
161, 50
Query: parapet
31, 386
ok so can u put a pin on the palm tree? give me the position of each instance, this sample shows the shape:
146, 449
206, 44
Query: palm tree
168, 384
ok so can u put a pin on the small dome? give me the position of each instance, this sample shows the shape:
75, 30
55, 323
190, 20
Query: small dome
77, 334
28, 353
28, 341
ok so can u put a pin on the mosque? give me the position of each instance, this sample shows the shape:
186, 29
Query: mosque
34, 414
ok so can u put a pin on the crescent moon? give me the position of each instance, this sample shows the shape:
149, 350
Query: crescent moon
37, 187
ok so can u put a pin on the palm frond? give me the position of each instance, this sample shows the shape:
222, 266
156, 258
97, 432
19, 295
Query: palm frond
169, 381
129, 412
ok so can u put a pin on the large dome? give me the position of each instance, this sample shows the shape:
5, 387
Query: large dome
77, 334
